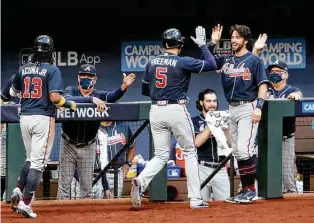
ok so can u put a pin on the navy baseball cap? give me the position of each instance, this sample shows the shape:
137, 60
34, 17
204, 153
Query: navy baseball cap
88, 69
279, 63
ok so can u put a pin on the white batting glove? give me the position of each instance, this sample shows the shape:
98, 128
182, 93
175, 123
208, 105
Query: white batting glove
260, 42
200, 35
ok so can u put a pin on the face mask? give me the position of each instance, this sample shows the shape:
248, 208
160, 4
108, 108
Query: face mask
275, 78
86, 83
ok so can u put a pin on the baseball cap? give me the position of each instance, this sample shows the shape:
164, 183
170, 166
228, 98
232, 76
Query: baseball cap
88, 69
279, 63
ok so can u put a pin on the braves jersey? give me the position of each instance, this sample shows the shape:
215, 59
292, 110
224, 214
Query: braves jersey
83, 132
118, 133
5, 92
288, 122
241, 76
208, 151
36, 82
169, 75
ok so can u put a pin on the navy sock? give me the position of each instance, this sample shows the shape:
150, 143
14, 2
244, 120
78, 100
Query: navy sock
21, 182
247, 170
33, 180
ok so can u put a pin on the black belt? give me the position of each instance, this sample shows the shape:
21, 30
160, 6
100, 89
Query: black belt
208, 164
77, 144
168, 102
237, 103
288, 136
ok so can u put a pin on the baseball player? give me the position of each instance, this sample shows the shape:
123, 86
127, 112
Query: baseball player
40, 85
278, 75
244, 83
166, 81
208, 149
112, 136
78, 142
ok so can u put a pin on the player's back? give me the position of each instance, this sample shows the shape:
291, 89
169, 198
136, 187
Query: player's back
168, 77
36, 82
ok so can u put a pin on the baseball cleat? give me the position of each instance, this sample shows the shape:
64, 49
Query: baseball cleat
248, 196
26, 210
136, 196
16, 197
232, 199
197, 204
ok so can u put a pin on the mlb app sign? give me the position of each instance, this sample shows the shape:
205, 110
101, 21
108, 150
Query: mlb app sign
292, 51
135, 55
62, 59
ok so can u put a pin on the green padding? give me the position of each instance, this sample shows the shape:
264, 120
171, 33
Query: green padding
15, 157
144, 110
270, 147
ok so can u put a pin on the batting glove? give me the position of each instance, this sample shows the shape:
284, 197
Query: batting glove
200, 35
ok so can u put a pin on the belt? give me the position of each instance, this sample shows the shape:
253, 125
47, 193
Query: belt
208, 164
168, 102
237, 103
77, 144
288, 136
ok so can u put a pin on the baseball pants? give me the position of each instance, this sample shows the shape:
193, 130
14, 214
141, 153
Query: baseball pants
288, 165
98, 190
38, 133
82, 158
243, 131
220, 184
165, 121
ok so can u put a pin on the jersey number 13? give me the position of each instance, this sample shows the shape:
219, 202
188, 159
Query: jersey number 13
161, 77
36, 82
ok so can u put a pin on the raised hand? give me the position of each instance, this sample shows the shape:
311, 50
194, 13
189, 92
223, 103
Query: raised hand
216, 34
200, 36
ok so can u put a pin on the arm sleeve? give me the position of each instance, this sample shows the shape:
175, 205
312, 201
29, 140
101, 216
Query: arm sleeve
70, 91
5, 91
220, 59
111, 96
260, 73
145, 82
55, 83
16, 84
197, 65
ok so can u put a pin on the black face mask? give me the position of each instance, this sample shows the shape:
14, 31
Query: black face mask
275, 77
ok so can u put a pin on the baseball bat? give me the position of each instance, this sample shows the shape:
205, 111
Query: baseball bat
216, 171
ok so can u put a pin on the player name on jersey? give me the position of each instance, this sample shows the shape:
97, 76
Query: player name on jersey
34, 70
164, 61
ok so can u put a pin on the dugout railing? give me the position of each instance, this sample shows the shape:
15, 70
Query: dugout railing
125, 111
269, 141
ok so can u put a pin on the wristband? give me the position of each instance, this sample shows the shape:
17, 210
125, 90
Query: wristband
129, 163
260, 103
61, 102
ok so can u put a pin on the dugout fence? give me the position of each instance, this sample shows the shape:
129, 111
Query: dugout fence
135, 115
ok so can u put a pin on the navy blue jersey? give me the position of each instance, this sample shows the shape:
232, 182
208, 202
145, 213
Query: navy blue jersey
83, 132
241, 76
168, 75
5, 92
288, 122
118, 134
208, 151
36, 82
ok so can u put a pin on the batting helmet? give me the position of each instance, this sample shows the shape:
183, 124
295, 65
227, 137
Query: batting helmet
43, 43
172, 38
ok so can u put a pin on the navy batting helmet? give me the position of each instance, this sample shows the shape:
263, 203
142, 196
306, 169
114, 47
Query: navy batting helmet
172, 38
43, 43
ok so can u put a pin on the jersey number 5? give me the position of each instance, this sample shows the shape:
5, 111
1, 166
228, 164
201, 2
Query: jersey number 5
161, 77
37, 83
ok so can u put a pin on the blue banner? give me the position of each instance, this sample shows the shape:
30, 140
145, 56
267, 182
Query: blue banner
308, 107
135, 55
292, 51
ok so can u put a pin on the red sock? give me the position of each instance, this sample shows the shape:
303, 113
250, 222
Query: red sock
27, 200
20, 186
252, 187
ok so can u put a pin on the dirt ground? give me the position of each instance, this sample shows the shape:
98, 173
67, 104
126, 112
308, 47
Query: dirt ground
277, 210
